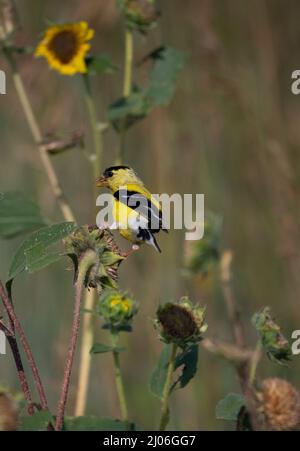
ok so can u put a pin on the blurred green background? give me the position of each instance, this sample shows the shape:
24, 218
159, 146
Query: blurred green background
232, 132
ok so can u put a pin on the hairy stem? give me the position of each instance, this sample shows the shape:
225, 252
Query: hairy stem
19, 366
118, 378
36, 376
85, 264
126, 90
164, 419
38, 138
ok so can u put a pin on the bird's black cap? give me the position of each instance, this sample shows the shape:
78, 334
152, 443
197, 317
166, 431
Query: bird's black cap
109, 171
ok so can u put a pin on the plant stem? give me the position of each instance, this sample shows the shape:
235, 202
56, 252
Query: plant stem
19, 365
12, 315
166, 392
87, 327
254, 362
239, 336
87, 261
118, 378
85, 357
127, 84
96, 158
38, 138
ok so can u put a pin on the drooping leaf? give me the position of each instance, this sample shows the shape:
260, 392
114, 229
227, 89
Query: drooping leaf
18, 215
38, 251
229, 407
91, 423
37, 422
127, 111
99, 348
164, 75
159, 374
101, 63
188, 360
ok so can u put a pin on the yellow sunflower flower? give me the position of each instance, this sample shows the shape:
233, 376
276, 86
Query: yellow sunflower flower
65, 47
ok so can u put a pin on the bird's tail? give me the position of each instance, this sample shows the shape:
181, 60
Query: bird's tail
152, 241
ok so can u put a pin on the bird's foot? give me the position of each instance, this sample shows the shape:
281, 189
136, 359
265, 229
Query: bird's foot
134, 248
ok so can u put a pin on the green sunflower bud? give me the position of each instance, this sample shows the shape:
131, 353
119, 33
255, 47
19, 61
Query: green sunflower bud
117, 309
140, 15
181, 323
105, 272
272, 340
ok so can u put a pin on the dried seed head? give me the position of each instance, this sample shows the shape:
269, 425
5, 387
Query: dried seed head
280, 404
8, 413
181, 322
140, 15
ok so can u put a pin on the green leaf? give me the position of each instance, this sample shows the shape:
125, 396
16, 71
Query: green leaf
100, 63
99, 348
18, 215
164, 75
34, 253
188, 359
159, 374
229, 407
91, 423
127, 111
37, 422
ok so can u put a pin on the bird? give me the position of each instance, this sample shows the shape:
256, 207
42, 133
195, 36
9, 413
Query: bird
137, 214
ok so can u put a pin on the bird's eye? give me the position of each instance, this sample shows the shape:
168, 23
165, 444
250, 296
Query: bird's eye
108, 173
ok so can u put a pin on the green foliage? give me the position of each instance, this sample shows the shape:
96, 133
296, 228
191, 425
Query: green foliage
100, 64
229, 407
159, 374
99, 348
18, 215
272, 340
187, 361
168, 63
91, 423
202, 254
37, 251
37, 422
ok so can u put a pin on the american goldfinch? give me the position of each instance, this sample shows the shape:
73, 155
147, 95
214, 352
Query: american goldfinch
136, 212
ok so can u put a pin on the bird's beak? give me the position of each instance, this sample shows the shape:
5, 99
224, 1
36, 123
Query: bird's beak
101, 182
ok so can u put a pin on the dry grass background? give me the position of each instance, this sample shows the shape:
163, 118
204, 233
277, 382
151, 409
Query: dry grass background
232, 132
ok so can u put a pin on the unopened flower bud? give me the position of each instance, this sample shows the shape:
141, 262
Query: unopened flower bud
117, 309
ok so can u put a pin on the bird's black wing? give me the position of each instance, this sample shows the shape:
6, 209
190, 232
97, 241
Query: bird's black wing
138, 202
